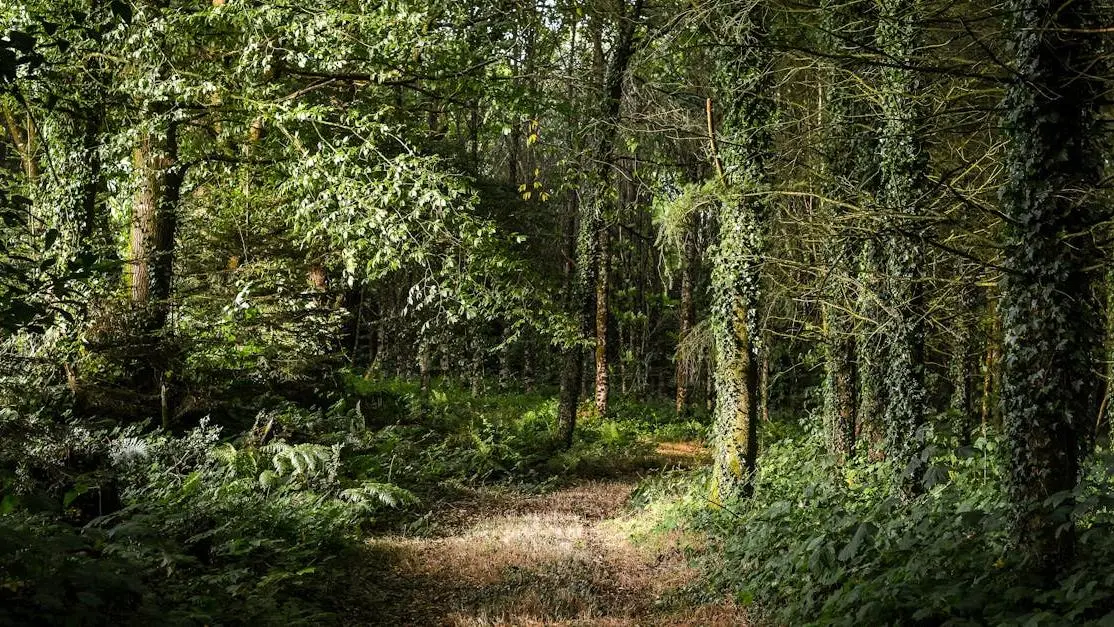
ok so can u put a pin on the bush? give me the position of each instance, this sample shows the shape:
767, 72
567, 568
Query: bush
824, 544
208, 533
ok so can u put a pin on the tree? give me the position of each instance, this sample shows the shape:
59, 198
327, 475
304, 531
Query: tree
591, 221
1050, 316
850, 175
737, 262
902, 161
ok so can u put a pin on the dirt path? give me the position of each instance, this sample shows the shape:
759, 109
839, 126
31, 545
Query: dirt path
507, 558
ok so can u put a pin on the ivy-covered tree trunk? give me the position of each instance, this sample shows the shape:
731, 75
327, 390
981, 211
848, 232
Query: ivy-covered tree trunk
1108, 351
870, 349
528, 366
736, 271
903, 174
840, 391
991, 365
735, 297
591, 216
961, 369
1050, 314
849, 166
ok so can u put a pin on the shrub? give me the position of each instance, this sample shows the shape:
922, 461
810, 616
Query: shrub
826, 544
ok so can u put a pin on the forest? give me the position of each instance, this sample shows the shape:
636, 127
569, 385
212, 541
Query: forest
541, 312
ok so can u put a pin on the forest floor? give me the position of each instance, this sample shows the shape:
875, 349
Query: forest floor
501, 556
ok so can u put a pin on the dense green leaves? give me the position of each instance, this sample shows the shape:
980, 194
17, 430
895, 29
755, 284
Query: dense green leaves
369, 241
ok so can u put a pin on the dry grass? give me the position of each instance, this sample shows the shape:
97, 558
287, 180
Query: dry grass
684, 454
509, 558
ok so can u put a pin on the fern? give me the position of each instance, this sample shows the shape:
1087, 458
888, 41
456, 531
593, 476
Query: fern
370, 493
128, 450
302, 461
675, 216
225, 454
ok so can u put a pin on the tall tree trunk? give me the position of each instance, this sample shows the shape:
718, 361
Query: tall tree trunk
24, 140
961, 369
591, 218
990, 369
849, 166
154, 226
569, 395
603, 388
903, 176
840, 381
686, 315
476, 363
425, 364
352, 300
504, 357
151, 252
736, 273
1051, 320
372, 356
528, 367
870, 349
1104, 411
572, 361
87, 213
764, 382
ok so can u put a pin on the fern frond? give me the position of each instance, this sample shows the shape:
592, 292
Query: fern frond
371, 493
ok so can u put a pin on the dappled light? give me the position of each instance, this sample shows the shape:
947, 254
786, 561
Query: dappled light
577, 312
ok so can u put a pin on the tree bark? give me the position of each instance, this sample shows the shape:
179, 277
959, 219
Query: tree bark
603, 389
24, 140
961, 370
1050, 314
154, 226
591, 220
686, 316
736, 273
903, 182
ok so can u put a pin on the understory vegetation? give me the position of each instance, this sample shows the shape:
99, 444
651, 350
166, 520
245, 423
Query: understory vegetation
837, 545
206, 527
332, 313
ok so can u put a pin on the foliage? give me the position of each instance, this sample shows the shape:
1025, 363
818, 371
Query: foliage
453, 436
207, 532
275, 276
821, 544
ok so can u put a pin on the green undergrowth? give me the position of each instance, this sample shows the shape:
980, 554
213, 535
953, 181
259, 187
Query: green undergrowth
834, 545
107, 524
187, 529
448, 434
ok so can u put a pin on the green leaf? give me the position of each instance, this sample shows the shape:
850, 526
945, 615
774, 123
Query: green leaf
864, 532
71, 496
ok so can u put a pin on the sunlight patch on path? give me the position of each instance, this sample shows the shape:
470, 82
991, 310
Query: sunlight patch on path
517, 559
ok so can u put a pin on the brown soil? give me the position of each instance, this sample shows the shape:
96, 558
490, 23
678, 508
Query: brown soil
509, 558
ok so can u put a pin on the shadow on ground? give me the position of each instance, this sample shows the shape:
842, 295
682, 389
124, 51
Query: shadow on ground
502, 557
